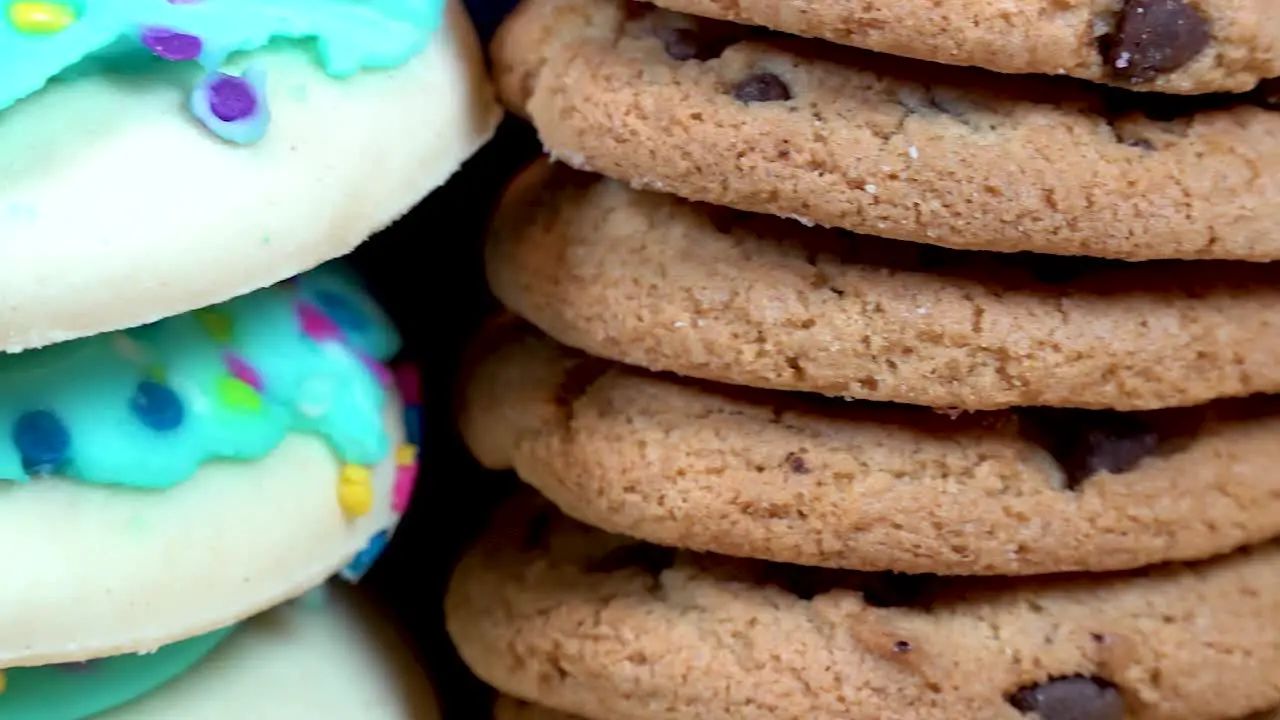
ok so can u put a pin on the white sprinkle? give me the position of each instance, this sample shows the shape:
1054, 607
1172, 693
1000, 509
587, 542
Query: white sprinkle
870, 188
680, 324
913, 152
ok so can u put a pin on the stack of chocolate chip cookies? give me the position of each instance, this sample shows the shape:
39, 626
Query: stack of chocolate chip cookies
880, 374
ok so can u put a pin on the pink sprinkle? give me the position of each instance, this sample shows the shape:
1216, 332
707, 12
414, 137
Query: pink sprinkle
406, 479
316, 324
379, 370
410, 383
243, 371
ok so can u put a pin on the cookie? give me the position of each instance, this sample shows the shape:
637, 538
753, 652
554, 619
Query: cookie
509, 708
118, 206
891, 147
665, 284
605, 627
1173, 46
870, 486
172, 479
326, 655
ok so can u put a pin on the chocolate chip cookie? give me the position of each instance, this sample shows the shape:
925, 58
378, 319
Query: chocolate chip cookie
509, 708
869, 486
886, 146
606, 627
1173, 46
665, 284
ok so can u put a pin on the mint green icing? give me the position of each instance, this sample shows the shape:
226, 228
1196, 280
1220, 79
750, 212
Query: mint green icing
350, 35
329, 383
79, 691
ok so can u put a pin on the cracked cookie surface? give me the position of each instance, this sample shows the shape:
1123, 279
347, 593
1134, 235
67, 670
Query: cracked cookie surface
1172, 46
665, 284
869, 486
844, 138
598, 625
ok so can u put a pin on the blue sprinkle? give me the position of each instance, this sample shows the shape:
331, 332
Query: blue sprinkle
156, 405
340, 310
363, 561
42, 441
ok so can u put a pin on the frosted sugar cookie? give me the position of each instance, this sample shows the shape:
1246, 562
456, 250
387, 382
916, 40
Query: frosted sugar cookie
156, 157
171, 479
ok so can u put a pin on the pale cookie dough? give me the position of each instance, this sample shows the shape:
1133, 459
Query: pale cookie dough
865, 485
653, 281
892, 147
332, 659
605, 627
117, 208
1174, 46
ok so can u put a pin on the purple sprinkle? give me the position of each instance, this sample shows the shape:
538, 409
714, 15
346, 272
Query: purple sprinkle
171, 45
231, 98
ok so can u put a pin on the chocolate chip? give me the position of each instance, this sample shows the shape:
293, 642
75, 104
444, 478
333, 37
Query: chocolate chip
761, 87
1153, 37
1087, 442
902, 646
797, 464
1071, 698
652, 559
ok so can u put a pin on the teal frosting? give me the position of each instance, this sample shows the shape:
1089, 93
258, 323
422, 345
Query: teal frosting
146, 407
106, 36
81, 690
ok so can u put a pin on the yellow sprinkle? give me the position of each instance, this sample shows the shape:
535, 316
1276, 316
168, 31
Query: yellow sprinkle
356, 475
217, 324
406, 454
355, 499
238, 394
41, 18
4, 682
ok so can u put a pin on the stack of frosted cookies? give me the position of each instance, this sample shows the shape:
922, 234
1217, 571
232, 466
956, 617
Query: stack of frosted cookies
862, 386
203, 419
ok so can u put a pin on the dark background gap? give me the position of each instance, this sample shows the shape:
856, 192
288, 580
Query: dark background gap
427, 272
